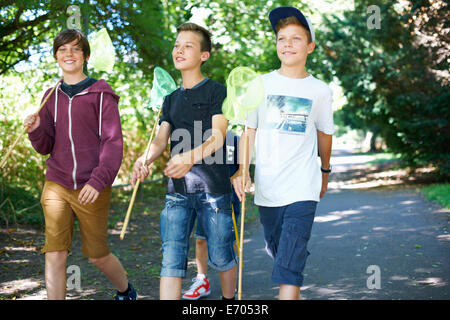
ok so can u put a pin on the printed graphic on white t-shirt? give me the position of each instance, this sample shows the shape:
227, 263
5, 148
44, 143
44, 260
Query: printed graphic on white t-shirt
288, 115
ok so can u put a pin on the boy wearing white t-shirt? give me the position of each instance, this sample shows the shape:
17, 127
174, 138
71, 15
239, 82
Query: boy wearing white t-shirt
292, 125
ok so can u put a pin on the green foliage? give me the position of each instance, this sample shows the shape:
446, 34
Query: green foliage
22, 178
20, 182
21, 24
391, 77
246, 37
439, 193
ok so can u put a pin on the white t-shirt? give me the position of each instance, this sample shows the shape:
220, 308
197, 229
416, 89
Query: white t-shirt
287, 168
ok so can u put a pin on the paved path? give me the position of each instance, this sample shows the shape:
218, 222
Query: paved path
394, 229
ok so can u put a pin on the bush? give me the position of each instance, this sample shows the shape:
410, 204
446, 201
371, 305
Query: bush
21, 181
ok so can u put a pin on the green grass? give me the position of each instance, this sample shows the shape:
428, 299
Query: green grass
439, 193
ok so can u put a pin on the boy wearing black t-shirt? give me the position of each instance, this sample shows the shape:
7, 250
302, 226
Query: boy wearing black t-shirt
199, 184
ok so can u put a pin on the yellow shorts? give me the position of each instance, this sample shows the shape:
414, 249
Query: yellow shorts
60, 208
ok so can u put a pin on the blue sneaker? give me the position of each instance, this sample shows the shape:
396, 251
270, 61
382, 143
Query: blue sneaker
132, 294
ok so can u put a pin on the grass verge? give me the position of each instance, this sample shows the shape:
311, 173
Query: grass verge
439, 193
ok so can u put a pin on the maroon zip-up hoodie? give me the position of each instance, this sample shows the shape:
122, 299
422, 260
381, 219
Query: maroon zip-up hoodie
83, 136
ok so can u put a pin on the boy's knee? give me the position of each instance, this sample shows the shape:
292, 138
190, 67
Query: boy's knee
56, 259
99, 262
56, 256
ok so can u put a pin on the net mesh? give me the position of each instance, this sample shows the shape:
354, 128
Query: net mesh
245, 93
163, 84
102, 51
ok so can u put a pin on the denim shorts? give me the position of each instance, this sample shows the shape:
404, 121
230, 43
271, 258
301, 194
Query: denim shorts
200, 234
213, 212
287, 230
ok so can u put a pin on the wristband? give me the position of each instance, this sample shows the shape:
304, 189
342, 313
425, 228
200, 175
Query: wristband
325, 170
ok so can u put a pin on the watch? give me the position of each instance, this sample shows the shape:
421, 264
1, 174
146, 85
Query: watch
325, 170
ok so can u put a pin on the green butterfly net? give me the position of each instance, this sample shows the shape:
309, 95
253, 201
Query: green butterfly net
163, 85
245, 93
102, 51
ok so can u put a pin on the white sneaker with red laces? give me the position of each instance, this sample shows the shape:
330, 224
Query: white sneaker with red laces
200, 288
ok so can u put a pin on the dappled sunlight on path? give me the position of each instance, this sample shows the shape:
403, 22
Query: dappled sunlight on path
368, 217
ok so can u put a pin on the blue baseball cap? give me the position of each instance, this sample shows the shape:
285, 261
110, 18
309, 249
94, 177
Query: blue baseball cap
283, 12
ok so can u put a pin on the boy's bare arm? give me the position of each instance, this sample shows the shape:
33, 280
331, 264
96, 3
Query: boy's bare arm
236, 179
324, 143
159, 144
251, 134
180, 164
214, 142
157, 147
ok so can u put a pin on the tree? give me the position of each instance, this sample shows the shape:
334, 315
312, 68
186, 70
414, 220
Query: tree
393, 80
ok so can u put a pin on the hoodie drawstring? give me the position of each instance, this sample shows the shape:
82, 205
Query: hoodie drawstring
56, 104
100, 117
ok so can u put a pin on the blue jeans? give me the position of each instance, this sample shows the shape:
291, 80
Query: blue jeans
287, 230
213, 212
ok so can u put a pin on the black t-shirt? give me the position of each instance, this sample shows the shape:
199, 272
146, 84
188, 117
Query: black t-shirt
73, 89
189, 113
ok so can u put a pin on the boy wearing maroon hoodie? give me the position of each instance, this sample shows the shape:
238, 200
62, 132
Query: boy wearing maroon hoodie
79, 126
